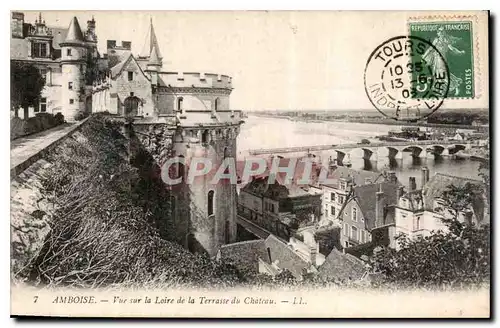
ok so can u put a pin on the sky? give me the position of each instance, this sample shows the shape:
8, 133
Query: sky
278, 59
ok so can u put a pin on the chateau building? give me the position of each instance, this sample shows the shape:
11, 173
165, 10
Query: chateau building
63, 56
174, 114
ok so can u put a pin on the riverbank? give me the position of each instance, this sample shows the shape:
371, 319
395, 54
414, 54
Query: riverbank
379, 121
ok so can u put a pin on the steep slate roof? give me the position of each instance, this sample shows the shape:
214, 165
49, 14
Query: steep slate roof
439, 183
359, 177
154, 58
118, 68
59, 35
74, 32
341, 266
246, 254
365, 196
19, 48
286, 256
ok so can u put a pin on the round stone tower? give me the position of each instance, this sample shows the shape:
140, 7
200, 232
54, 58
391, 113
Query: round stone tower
206, 128
73, 64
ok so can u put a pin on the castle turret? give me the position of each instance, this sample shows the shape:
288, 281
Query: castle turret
73, 63
206, 128
153, 66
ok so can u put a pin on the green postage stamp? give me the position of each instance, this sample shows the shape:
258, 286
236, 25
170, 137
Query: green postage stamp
454, 41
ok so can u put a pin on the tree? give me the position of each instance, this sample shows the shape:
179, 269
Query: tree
26, 85
328, 238
443, 259
460, 199
457, 257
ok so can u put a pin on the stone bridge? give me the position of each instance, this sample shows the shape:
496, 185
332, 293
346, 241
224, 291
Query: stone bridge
373, 151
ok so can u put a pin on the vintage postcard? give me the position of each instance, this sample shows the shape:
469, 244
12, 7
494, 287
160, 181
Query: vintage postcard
258, 164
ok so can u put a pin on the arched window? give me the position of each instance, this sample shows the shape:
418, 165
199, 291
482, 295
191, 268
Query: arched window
204, 136
210, 202
131, 105
217, 104
179, 104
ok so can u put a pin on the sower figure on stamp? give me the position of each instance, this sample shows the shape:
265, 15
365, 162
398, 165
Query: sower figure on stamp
444, 43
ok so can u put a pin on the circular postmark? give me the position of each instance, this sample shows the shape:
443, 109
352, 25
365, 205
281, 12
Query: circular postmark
406, 78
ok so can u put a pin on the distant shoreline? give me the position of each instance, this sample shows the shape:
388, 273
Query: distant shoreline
371, 121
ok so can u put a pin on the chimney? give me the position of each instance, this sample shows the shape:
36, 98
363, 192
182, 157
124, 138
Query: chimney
110, 44
127, 45
313, 255
425, 176
17, 24
413, 184
379, 207
400, 193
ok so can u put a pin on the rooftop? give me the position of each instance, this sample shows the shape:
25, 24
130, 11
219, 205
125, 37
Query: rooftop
365, 196
343, 267
358, 177
271, 251
436, 186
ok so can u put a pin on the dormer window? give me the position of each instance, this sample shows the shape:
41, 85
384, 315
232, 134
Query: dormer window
68, 52
40, 50
130, 76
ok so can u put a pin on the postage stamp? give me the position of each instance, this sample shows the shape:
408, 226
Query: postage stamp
453, 40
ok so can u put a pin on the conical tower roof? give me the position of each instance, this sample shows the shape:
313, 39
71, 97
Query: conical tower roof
150, 43
154, 59
74, 32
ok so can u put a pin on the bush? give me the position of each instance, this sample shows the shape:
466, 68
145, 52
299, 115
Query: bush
40, 122
59, 118
46, 120
458, 258
33, 125
81, 115
17, 128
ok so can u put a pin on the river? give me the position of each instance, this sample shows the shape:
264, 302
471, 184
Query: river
267, 132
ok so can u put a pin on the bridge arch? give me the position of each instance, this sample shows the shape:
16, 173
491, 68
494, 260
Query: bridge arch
453, 149
416, 151
437, 150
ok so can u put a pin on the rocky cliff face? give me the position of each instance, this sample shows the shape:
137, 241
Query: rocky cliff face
30, 216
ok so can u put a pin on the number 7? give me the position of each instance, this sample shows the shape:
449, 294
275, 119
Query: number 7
36, 299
